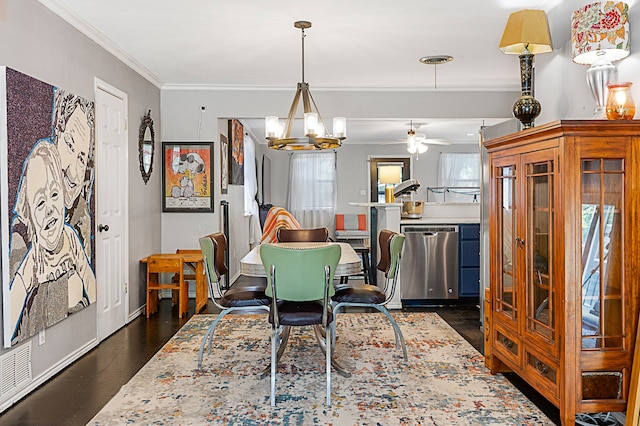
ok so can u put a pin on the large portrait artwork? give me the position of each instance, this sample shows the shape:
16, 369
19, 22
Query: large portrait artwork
47, 168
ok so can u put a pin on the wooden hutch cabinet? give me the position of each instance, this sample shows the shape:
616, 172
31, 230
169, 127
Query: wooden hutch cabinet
564, 223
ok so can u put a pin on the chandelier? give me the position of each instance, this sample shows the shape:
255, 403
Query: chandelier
315, 136
415, 143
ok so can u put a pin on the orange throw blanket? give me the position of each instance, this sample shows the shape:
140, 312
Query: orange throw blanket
277, 217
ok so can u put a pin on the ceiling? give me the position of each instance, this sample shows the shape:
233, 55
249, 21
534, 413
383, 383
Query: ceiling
355, 44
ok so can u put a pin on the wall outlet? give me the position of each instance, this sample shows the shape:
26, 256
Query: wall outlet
41, 338
363, 192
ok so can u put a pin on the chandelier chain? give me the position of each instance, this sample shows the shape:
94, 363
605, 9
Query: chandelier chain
303, 36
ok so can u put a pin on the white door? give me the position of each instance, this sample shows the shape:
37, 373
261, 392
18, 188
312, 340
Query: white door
111, 209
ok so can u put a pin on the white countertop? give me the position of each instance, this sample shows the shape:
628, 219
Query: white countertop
439, 220
377, 205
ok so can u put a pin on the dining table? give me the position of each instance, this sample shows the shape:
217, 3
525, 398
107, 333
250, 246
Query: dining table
349, 264
195, 262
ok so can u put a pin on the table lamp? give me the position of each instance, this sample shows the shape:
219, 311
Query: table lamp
526, 34
599, 36
390, 176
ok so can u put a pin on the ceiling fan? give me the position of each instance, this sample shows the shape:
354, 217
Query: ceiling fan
418, 142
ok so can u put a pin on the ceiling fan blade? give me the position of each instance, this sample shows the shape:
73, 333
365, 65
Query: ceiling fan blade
421, 140
436, 142
420, 137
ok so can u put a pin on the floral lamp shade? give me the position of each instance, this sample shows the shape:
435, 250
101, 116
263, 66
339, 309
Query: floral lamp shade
600, 31
599, 36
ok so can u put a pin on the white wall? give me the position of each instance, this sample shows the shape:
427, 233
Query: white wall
38, 43
561, 85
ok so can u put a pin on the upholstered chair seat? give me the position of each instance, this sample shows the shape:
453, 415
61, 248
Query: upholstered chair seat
240, 297
363, 293
300, 313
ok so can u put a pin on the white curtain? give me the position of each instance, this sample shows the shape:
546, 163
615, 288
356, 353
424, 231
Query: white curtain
312, 189
458, 170
251, 190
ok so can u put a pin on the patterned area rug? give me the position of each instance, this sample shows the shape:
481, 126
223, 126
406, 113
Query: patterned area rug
444, 382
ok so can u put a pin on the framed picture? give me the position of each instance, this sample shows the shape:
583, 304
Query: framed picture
187, 177
236, 155
224, 164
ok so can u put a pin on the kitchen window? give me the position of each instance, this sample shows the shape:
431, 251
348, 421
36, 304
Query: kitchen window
458, 177
312, 188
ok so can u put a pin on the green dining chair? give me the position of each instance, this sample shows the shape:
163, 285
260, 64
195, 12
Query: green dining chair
365, 295
237, 298
300, 284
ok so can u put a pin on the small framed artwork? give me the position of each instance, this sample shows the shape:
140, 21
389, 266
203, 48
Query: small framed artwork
236, 156
224, 164
187, 177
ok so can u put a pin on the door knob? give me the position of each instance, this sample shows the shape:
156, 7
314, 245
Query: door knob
103, 228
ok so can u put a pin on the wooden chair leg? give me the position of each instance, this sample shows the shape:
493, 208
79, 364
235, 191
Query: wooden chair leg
152, 302
183, 298
152, 295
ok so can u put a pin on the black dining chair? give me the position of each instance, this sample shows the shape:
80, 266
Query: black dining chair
246, 298
366, 295
315, 235
300, 284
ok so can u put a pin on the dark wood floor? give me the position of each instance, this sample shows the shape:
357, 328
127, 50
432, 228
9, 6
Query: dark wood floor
76, 394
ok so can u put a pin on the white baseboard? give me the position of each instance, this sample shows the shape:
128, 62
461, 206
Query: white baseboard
47, 374
135, 314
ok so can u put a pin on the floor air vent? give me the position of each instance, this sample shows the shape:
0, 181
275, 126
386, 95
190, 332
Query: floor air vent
15, 369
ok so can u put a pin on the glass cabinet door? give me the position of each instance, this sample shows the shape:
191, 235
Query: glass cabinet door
506, 285
538, 241
602, 190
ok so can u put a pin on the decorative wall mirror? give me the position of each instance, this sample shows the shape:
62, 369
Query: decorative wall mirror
146, 147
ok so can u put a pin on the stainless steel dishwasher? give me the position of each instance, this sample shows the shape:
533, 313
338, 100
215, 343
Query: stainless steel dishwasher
430, 262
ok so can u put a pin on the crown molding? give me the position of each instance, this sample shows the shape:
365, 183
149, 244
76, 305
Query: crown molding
92, 33
223, 87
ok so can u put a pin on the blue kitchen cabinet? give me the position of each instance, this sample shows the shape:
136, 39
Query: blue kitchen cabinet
469, 266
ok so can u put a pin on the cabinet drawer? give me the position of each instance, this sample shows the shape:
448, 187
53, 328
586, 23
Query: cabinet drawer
507, 346
470, 253
469, 282
470, 232
545, 373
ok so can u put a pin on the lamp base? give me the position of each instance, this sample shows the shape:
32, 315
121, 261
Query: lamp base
598, 76
388, 195
600, 113
526, 109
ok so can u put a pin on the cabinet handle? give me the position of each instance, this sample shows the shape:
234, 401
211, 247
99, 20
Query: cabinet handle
506, 342
520, 241
541, 367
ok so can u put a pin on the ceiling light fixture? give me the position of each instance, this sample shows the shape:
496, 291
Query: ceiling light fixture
314, 128
435, 60
414, 143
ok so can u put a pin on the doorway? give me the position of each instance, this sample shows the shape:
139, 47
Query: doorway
377, 188
111, 234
